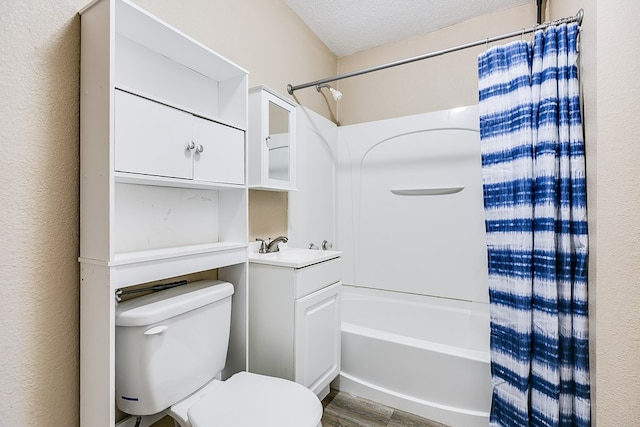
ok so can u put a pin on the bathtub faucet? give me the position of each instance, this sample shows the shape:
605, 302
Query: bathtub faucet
272, 246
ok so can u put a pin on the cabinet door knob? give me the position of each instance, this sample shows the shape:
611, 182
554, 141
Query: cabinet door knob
267, 140
191, 145
200, 148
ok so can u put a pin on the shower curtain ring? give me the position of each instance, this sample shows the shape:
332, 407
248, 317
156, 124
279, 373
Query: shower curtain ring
533, 33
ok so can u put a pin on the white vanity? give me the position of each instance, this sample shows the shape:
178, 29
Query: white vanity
294, 316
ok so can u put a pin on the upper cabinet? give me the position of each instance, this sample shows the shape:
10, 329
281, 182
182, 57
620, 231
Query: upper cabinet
272, 140
155, 139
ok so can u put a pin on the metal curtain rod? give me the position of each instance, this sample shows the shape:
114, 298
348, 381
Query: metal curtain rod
577, 18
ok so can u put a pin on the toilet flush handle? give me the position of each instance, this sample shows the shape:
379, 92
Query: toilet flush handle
156, 330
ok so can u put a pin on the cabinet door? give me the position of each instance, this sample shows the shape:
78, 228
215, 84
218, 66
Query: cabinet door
278, 163
317, 338
219, 152
151, 138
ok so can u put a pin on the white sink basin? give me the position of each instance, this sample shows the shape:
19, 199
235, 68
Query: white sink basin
293, 257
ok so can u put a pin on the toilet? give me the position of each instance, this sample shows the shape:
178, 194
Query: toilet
170, 349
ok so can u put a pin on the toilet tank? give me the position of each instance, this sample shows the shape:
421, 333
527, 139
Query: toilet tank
170, 343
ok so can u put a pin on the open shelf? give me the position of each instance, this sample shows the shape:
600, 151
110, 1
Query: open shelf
132, 268
140, 26
182, 251
164, 181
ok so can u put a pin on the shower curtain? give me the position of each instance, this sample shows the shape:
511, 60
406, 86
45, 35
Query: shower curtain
535, 210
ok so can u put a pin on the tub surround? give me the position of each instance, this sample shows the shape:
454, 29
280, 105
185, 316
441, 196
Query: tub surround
429, 239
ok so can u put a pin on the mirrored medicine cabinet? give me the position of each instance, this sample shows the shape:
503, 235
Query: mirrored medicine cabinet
272, 141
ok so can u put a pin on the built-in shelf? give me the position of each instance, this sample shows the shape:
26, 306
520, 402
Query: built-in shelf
140, 26
132, 268
427, 191
158, 254
164, 181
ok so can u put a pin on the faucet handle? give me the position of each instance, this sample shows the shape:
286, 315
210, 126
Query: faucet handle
326, 245
263, 246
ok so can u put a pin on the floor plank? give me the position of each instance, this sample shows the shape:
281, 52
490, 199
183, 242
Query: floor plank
345, 410
355, 411
405, 419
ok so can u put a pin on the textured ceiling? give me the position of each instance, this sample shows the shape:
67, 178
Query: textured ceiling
349, 26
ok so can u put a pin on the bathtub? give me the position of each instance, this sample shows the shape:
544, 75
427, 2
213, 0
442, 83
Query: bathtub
424, 355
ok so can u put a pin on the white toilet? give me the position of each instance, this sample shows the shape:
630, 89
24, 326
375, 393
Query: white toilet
171, 345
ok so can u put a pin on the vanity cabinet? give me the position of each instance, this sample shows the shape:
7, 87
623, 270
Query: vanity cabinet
272, 140
162, 178
294, 323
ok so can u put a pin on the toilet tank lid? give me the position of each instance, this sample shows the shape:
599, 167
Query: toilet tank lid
163, 305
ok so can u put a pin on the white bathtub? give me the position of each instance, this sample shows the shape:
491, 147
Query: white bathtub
424, 355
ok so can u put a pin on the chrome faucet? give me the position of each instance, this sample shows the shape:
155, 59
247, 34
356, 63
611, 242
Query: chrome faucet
272, 246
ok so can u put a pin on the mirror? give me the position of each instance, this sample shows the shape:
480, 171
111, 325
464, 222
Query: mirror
278, 142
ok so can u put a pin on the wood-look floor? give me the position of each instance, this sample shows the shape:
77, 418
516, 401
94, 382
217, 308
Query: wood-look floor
344, 410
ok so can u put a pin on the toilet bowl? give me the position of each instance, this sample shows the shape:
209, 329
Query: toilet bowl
170, 347
249, 400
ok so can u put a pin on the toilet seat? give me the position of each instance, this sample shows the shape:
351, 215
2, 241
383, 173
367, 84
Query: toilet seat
250, 400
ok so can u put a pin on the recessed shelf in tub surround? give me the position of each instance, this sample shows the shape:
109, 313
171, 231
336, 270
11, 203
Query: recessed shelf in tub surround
427, 191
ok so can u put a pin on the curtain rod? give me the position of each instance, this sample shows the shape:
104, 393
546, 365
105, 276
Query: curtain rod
577, 18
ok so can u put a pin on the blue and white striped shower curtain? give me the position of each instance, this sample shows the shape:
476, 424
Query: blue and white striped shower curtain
535, 207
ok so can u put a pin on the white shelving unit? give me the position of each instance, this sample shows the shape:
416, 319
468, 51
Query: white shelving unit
163, 178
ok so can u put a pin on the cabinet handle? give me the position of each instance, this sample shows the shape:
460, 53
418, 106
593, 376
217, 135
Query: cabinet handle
267, 140
191, 145
200, 148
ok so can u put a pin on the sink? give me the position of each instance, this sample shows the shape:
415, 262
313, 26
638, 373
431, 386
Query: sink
293, 257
